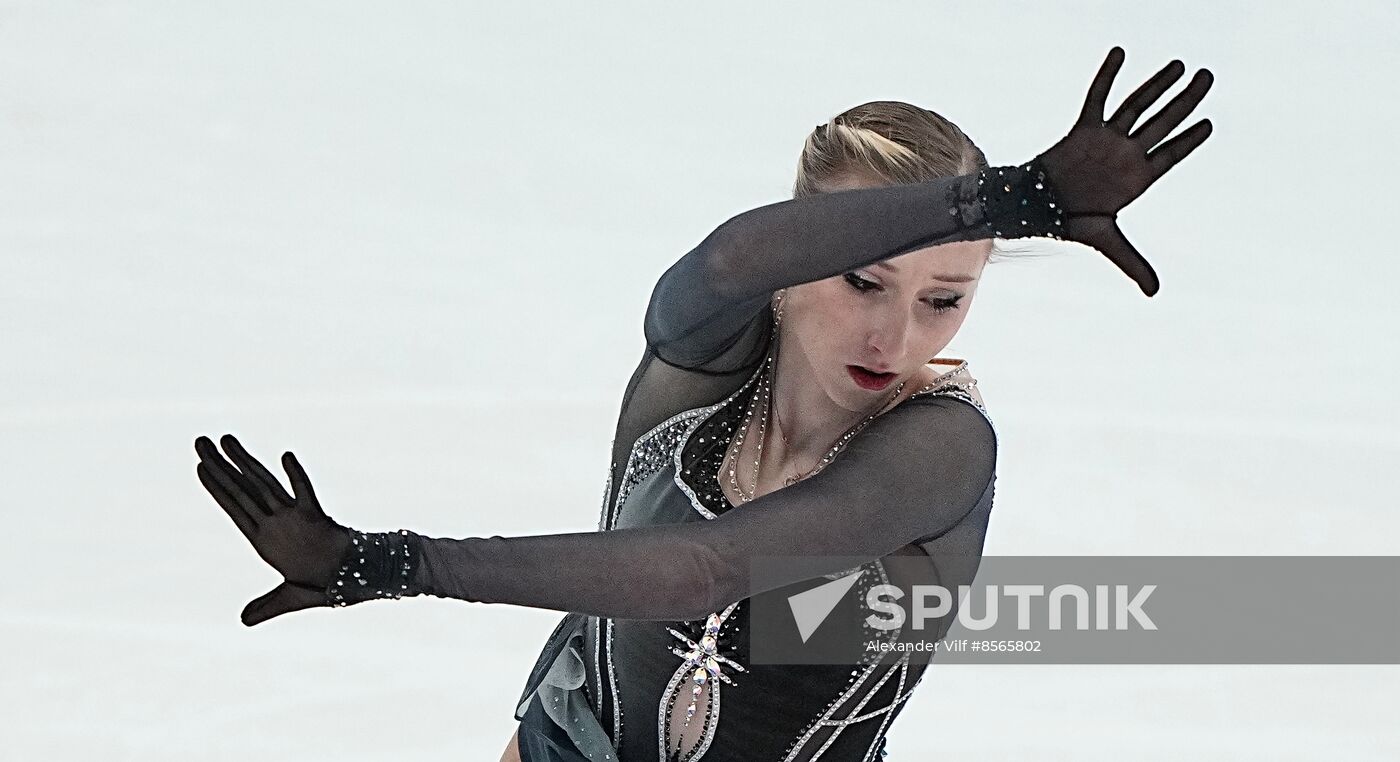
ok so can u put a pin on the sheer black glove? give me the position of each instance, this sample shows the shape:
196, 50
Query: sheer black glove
289, 531
1102, 166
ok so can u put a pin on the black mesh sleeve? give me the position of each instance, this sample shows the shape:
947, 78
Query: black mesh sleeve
913, 472
704, 307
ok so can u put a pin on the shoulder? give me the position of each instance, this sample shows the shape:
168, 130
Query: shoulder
944, 380
945, 375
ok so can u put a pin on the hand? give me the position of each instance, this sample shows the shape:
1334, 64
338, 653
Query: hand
290, 532
1100, 167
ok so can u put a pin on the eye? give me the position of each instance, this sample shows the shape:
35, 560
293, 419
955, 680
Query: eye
938, 304
943, 304
859, 283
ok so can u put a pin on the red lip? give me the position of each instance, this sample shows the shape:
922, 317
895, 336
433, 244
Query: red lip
868, 380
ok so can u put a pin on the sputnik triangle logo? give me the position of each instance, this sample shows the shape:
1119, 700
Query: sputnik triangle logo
811, 607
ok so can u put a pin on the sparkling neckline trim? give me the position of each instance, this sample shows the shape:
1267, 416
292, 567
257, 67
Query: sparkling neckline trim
703, 414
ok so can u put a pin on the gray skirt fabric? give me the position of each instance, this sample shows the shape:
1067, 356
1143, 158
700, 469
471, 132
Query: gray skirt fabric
556, 722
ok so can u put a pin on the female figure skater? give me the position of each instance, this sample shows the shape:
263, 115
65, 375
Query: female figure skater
786, 405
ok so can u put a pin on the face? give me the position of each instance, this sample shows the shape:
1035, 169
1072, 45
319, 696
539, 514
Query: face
893, 316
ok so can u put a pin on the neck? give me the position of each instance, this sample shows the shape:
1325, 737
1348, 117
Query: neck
811, 421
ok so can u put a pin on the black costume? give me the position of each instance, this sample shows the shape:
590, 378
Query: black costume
672, 552
658, 595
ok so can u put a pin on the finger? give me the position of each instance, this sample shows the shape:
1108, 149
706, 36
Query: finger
1095, 102
1146, 94
1166, 155
271, 488
241, 518
228, 477
301, 485
1102, 233
1175, 112
283, 599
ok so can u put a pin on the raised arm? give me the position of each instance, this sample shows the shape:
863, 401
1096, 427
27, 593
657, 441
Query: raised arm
714, 298
912, 473
705, 311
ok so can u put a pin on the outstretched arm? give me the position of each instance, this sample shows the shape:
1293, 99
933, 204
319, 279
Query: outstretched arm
913, 472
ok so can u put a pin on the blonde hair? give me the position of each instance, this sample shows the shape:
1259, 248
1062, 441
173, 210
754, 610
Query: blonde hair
890, 143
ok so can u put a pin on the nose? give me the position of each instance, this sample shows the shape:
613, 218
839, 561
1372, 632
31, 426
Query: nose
887, 334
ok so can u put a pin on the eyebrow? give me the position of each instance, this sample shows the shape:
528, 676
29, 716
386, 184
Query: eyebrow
950, 277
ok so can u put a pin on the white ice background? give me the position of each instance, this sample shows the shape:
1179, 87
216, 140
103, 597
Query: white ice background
413, 242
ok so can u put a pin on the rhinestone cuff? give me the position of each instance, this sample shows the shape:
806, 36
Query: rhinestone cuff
1019, 202
378, 565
